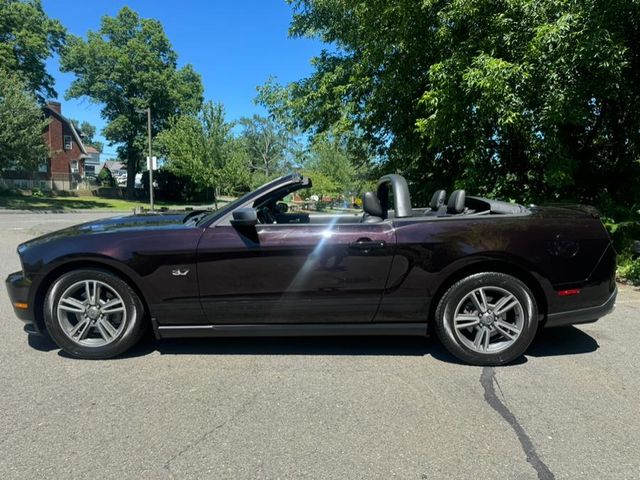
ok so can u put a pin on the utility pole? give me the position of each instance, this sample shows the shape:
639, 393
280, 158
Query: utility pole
150, 158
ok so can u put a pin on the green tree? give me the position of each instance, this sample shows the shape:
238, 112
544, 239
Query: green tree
201, 147
235, 176
322, 185
27, 38
87, 132
129, 65
329, 155
22, 144
521, 99
105, 178
267, 143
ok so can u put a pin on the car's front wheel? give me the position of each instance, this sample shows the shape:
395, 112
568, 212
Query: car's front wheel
93, 314
487, 318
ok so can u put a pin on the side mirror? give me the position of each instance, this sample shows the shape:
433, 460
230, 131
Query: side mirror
244, 217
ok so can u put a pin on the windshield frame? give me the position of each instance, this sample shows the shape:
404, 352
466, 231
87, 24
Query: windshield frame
276, 184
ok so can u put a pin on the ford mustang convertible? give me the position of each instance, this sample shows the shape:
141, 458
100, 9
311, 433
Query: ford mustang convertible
484, 275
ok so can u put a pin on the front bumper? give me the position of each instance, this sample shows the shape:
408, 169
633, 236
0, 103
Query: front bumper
18, 288
582, 315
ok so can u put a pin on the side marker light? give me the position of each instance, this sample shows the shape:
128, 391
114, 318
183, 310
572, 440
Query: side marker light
571, 291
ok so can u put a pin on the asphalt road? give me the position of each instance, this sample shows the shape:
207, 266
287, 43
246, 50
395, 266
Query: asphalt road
317, 408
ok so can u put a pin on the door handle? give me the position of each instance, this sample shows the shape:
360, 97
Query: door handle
367, 244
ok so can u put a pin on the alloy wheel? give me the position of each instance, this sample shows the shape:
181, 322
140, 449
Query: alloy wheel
488, 319
91, 313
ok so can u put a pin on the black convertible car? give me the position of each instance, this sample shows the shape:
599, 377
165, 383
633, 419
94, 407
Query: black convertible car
483, 274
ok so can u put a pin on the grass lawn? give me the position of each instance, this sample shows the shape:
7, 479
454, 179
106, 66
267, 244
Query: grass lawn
18, 202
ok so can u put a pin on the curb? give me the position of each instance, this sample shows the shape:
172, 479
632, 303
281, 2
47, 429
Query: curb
6, 211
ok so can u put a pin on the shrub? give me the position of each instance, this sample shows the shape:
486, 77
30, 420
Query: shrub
322, 206
629, 269
106, 179
171, 187
66, 193
625, 230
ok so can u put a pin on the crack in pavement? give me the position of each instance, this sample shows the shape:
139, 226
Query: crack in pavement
487, 380
205, 435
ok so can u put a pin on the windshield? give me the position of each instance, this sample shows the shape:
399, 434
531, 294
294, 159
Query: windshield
244, 198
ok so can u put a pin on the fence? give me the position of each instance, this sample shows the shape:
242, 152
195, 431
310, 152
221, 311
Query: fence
57, 182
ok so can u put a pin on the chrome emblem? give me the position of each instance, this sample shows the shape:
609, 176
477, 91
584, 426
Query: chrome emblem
179, 273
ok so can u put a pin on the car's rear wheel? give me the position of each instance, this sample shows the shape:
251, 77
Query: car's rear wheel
487, 319
93, 314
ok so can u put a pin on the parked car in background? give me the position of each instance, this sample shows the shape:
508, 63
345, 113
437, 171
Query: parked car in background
485, 275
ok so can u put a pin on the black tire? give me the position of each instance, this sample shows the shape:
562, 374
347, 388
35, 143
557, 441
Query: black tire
452, 338
131, 331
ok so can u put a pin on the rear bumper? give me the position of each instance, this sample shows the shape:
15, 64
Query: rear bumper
18, 288
582, 315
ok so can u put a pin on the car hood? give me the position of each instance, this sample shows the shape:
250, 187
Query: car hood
114, 224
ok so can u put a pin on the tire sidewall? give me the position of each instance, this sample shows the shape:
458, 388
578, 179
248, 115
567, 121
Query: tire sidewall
455, 294
125, 340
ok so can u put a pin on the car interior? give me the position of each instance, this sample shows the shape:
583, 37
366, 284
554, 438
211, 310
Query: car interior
391, 200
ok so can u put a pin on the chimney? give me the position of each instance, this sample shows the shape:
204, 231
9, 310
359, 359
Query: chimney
55, 106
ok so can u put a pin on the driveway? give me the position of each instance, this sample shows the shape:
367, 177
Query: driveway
317, 408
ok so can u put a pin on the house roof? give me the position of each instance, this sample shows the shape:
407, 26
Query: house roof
113, 165
74, 132
91, 149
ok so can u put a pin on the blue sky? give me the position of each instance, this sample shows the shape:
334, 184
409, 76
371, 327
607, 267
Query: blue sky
234, 45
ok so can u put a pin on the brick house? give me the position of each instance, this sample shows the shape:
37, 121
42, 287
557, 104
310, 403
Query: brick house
65, 168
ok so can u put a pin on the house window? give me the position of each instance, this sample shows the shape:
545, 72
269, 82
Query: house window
68, 144
74, 166
90, 169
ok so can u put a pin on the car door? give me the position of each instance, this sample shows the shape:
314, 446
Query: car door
294, 273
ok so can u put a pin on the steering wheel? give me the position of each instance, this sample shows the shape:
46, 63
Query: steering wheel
282, 207
265, 215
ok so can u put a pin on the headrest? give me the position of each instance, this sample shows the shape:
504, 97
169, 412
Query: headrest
456, 202
437, 200
371, 204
